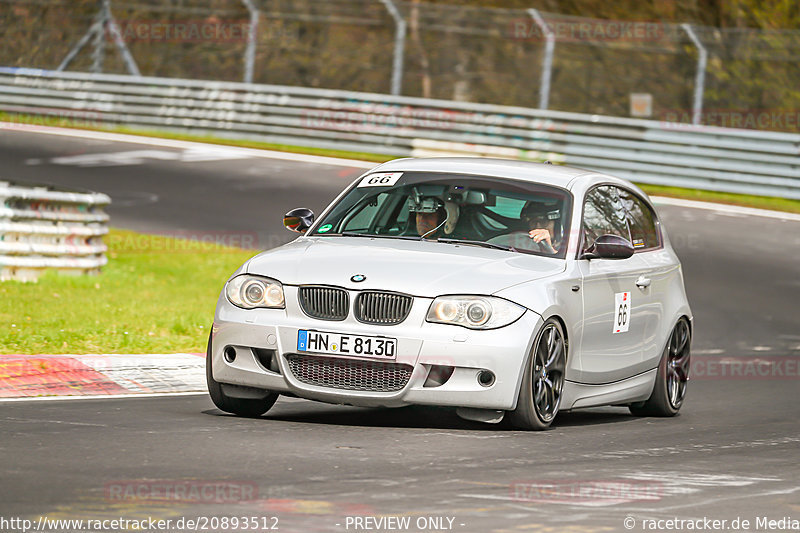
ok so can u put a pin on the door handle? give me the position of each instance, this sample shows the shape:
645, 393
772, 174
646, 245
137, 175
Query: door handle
643, 282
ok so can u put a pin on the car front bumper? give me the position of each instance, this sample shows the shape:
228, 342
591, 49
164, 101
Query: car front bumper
420, 345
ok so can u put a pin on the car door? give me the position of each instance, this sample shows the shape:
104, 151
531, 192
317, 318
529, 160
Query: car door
663, 272
614, 311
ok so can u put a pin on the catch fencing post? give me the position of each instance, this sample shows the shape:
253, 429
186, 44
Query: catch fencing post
113, 29
252, 36
97, 26
700, 77
97, 31
547, 61
99, 42
399, 45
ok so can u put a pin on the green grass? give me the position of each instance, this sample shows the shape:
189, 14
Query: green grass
761, 202
156, 295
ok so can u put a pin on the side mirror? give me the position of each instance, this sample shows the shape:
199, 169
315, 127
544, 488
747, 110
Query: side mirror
609, 247
298, 219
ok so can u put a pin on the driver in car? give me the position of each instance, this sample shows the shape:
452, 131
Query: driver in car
542, 233
543, 221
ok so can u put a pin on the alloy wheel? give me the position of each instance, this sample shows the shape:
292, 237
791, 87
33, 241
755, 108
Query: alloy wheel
548, 373
678, 364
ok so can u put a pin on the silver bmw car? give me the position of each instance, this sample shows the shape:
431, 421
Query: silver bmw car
508, 290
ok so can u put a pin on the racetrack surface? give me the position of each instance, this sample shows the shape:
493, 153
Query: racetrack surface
731, 453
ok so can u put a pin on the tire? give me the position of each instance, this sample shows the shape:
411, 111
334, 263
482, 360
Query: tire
247, 407
669, 390
543, 380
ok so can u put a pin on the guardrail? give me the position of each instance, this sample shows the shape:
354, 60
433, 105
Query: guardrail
42, 227
644, 151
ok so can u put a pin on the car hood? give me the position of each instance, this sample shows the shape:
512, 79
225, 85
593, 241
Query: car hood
419, 268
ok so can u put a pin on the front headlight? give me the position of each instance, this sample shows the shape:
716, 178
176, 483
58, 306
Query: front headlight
474, 312
249, 292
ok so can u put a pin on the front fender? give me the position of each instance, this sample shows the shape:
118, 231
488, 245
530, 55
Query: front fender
555, 296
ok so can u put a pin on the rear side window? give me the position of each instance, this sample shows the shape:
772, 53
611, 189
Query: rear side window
642, 221
604, 214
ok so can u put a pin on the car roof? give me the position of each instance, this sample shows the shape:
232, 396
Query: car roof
557, 175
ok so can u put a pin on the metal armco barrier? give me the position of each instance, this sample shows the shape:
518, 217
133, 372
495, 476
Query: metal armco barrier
45, 228
645, 151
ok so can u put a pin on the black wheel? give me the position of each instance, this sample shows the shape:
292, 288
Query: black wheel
543, 381
669, 390
249, 407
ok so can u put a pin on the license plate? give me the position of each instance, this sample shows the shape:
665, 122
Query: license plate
341, 344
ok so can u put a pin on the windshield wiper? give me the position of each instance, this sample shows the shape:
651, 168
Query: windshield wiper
373, 235
477, 243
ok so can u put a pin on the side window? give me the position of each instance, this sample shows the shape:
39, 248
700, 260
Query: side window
362, 219
394, 216
642, 221
603, 214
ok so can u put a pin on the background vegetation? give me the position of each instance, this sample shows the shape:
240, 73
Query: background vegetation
464, 50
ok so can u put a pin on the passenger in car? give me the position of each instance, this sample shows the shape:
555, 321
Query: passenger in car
433, 215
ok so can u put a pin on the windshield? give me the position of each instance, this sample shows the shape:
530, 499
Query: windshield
452, 208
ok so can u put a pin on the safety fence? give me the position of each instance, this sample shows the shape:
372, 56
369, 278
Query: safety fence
644, 151
42, 227
643, 66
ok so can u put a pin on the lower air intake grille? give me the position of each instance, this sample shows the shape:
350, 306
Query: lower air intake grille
349, 374
326, 303
384, 308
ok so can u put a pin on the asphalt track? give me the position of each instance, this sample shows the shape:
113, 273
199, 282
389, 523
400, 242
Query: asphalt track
732, 453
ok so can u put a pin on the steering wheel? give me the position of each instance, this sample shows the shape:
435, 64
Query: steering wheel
522, 240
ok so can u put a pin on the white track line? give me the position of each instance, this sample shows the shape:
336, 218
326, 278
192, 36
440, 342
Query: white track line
102, 396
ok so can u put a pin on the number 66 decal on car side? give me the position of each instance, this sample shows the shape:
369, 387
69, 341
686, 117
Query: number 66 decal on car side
622, 312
